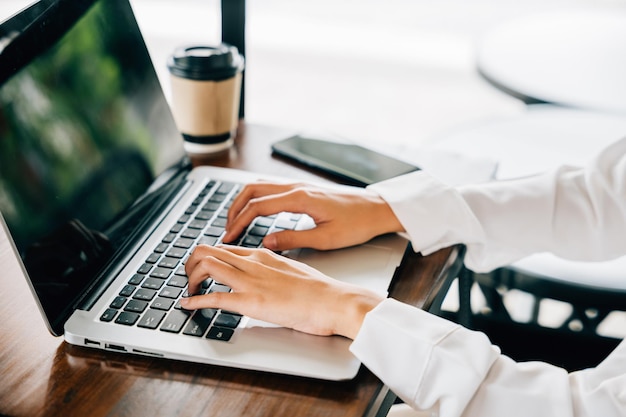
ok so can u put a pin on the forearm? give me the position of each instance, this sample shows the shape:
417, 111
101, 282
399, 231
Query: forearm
573, 212
433, 364
407, 349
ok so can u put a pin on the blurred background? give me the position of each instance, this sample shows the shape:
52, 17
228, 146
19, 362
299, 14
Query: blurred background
397, 72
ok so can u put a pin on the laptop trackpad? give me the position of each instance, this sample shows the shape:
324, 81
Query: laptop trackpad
371, 265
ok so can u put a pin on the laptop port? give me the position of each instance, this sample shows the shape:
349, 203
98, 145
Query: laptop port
144, 352
91, 343
115, 347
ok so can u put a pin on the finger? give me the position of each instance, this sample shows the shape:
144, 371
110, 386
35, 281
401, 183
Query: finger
252, 191
237, 250
261, 206
253, 265
292, 239
228, 265
208, 262
218, 251
228, 301
199, 253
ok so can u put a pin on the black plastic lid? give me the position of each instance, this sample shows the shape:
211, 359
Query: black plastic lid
206, 62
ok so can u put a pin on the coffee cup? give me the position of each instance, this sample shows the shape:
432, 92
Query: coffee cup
206, 88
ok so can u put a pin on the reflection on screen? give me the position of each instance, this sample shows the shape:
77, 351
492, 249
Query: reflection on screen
84, 130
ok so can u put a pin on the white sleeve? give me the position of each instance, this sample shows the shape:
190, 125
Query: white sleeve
433, 364
575, 213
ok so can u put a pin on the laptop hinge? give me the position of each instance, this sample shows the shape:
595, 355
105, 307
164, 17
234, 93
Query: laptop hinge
160, 209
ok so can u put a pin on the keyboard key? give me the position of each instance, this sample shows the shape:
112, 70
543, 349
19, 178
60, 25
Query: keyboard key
153, 283
259, 230
225, 188
200, 322
207, 240
136, 279
227, 320
127, 291
144, 294
168, 262
264, 222
219, 222
197, 224
153, 258
285, 224
171, 292
161, 303
144, 269
211, 206
127, 318
118, 302
214, 231
169, 238
175, 321
162, 273
217, 198
176, 253
219, 288
220, 333
138, 306
252, 241
108, 315
183, 243
151, 319
191, 233
204, 215
161, 247
178, 281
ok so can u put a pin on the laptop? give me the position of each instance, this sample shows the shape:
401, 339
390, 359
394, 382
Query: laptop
102, 207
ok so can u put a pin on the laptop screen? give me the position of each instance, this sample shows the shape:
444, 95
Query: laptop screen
84, 132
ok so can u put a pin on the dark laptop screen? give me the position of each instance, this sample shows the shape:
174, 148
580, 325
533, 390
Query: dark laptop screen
84, 131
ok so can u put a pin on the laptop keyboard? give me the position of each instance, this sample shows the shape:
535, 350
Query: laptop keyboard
150, 299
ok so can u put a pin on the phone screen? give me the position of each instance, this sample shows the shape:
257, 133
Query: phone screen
351, 162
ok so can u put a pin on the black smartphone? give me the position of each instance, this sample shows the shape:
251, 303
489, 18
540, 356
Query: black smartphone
353, 163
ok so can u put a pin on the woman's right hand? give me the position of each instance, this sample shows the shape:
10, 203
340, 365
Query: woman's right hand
344, 216
276, 289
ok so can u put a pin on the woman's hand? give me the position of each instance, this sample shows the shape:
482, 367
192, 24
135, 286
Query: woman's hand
343, 216
273, 288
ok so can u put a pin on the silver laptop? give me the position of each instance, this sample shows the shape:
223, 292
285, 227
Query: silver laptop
102, 207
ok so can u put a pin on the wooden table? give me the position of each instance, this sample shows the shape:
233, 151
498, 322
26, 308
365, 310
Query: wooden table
41, 375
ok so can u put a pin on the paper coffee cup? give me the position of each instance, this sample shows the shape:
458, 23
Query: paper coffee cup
206, 87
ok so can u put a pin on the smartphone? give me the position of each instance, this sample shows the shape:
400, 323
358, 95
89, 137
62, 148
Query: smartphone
352, 163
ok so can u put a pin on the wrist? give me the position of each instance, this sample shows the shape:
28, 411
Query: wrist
388, 222
354, 305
